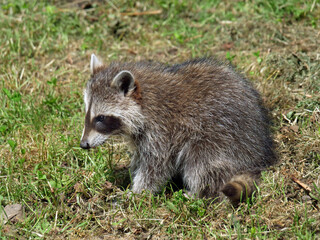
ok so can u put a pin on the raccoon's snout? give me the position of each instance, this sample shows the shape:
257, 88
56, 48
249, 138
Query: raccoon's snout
84, 144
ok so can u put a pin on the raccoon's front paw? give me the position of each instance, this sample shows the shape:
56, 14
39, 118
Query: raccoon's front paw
189, 195
139, 188
141, 183
136, 190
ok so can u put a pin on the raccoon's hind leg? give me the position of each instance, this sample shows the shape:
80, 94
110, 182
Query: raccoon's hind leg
241, 187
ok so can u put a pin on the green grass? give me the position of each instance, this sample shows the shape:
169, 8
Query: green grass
71, 193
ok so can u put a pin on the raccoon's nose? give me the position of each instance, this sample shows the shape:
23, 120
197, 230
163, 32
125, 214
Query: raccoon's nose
84, 145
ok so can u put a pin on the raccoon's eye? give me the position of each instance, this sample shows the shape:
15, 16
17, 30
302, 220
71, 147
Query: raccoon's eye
100, 118
107, 124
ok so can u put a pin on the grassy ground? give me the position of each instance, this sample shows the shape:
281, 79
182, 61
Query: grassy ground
71, 193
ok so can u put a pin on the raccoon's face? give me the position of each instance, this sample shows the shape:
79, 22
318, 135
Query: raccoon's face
110, 110
99, 125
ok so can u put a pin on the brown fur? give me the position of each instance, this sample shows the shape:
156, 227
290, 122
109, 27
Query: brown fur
136, 95
241, 187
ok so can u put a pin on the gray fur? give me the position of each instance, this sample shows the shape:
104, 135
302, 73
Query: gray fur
199, 119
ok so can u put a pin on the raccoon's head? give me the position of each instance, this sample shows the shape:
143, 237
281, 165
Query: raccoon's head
112, 106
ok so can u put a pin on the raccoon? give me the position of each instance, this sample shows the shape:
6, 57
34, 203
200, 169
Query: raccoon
199, 119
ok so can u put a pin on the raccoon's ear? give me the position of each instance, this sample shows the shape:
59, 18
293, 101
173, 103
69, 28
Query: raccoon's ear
95, 63
123, 82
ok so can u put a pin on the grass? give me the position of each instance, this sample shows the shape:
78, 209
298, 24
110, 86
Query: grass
71, 193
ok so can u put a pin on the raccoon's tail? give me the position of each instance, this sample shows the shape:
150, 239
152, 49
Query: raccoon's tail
241, 187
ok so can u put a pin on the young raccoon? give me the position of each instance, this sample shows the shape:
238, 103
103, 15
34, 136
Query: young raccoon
199, 119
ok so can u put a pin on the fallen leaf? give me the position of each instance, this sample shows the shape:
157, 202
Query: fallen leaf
227, 46
294, 128
12, 212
